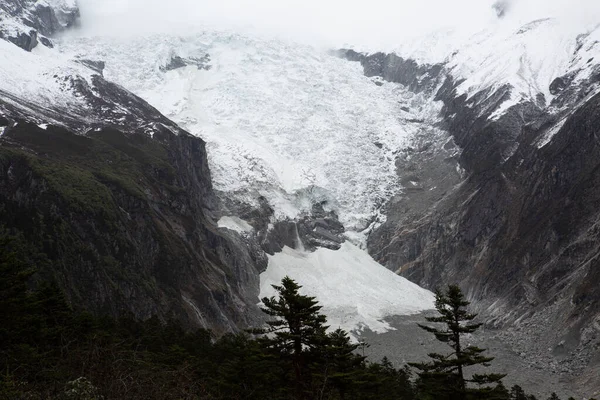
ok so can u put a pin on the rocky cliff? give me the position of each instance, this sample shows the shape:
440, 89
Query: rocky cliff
118, 198
510, 214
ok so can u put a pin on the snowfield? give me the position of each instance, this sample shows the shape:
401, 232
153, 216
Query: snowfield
528, 56
42, 78
355, 291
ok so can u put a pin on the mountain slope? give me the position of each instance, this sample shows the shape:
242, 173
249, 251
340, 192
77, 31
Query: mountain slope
300, 161
129, 195
116, 196
466, 160
519, 228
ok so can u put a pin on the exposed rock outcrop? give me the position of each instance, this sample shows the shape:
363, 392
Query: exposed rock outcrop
177, 62
518, 226
24, 22
126, 223
320, 228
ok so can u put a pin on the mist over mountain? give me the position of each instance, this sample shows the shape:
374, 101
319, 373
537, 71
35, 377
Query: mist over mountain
380, 25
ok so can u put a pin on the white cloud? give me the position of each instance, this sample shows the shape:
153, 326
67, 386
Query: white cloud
325, 21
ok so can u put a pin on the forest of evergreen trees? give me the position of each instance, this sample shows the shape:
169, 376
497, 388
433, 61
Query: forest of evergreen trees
50, 351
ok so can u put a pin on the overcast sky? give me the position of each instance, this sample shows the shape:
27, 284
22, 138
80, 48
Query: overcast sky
325, 21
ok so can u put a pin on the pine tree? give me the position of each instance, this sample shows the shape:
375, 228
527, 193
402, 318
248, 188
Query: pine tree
444, 376
297, 331
340, 365
553, 396
517, 393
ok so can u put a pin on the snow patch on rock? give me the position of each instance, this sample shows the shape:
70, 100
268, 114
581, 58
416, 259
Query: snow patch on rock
235, 224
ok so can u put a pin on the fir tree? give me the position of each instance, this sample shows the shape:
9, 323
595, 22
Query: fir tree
444, 376
297, 331
341, 366
517, 393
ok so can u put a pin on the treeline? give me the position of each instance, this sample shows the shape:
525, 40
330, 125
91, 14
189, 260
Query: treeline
49, 351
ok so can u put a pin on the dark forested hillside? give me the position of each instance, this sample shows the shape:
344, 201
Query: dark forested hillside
124, 222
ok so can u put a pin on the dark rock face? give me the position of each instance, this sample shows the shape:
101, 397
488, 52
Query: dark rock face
26, 41
390, 67
559, 84
126, 221
119, 199
319, 229
37, 21
518, 227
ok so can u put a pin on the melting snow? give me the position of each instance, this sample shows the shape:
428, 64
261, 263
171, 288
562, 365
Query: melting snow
354, 290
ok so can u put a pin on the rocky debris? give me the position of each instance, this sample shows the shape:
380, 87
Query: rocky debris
176, 62
523, 366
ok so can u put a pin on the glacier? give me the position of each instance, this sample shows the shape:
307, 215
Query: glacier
296, 125
285, 121
356, 292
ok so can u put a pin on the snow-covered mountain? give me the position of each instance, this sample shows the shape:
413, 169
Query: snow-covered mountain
455, 157
236, 93
284, 121
286, 124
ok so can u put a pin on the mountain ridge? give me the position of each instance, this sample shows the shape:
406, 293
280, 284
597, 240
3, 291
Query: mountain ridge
513, 229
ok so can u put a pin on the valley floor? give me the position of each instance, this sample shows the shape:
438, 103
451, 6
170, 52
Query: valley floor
408, 343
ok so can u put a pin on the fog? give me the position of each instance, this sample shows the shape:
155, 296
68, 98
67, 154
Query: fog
325, 21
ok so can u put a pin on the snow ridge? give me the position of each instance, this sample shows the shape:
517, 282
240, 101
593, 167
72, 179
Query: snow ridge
528, 57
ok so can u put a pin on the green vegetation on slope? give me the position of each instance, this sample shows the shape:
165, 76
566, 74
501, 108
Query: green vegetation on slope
93, 205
